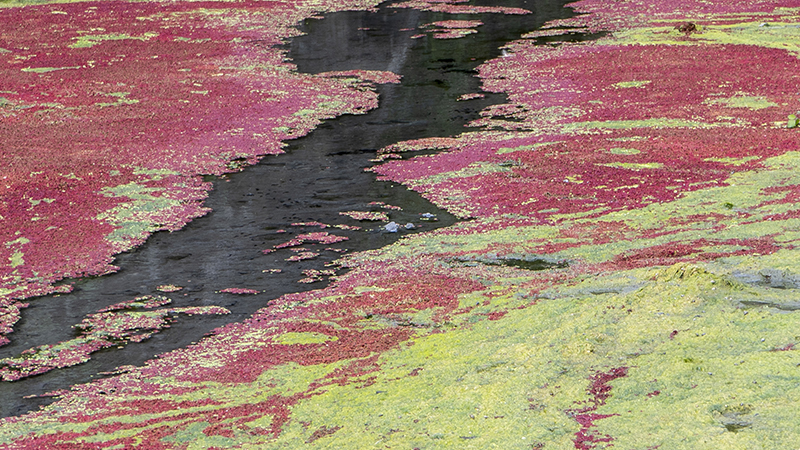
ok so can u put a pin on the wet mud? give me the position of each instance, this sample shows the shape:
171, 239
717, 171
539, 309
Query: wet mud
318, 177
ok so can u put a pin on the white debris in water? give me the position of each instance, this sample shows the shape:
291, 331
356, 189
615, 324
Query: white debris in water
410, 226
392, 227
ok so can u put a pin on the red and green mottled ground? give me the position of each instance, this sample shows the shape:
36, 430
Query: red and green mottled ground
110, 110
650, 173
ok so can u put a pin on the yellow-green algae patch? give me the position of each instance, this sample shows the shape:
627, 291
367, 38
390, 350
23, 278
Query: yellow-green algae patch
121, 100
474, 169
624, 151
136, 218
727, 379
742, 101
634, 166
16, 259
682, 332
291, 338
90, 40
632, 84
577, 127
189, 434
778, 35
47, 69
734, 161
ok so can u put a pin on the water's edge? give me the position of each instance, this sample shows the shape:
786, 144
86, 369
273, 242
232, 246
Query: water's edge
319, 176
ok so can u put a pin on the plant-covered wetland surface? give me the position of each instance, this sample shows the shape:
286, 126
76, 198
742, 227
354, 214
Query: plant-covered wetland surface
624, 273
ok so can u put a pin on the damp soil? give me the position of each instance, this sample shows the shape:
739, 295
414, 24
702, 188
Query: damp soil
319, 176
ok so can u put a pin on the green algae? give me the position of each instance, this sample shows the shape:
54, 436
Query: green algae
624, 151
734, 161
742, 101
783, 259
139, 215
35, 202
90, 40
634, 166
577, 127
632, 84
155, 174
305, 112
719, 355
677, 328
189, 434
474, 169
121, 100
292, 338
192, 41
41, 70
362, 289
16, 259
335, 105
777, 35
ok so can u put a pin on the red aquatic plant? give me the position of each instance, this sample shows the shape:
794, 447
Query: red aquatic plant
110, 111
456, 24
608, 166
321, 433
310, 224
471, 96
452, 29
600, 14
366, 215
374, 76
453, 7
302, 256
239, 291
113, 326
599, 391
588, 129
385, 206
321, 237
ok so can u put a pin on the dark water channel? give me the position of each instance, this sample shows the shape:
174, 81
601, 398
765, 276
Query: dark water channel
319, 176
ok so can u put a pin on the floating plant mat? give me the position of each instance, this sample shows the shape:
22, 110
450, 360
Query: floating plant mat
655, 161
236, 257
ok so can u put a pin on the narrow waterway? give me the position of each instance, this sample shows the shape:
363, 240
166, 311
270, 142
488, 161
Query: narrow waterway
320, 176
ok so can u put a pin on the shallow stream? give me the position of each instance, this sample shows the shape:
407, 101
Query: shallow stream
318, 177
